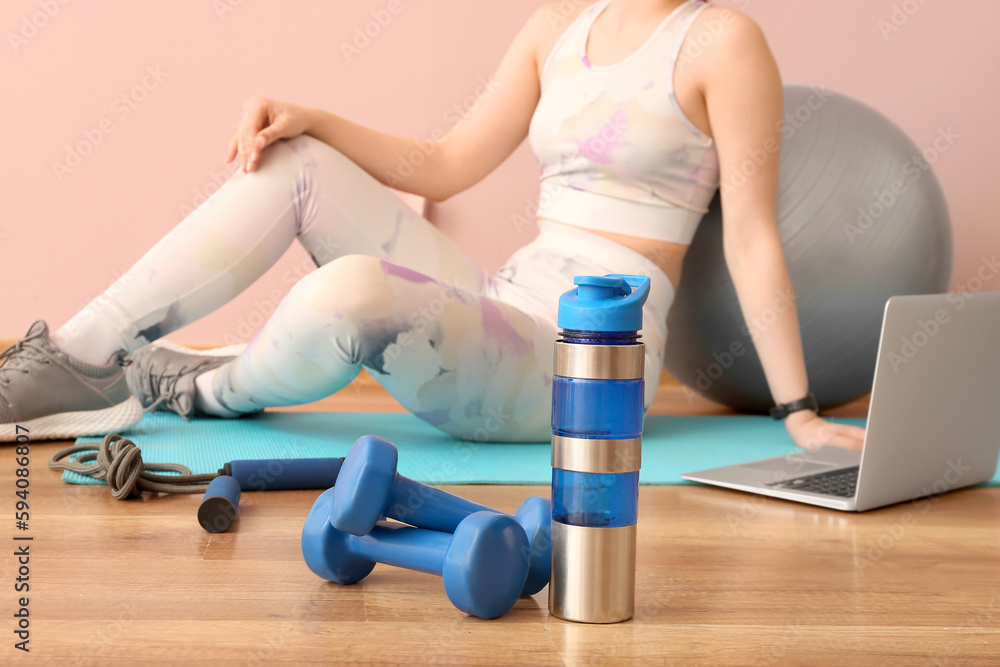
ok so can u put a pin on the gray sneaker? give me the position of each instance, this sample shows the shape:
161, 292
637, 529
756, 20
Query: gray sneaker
161, 375
47, 394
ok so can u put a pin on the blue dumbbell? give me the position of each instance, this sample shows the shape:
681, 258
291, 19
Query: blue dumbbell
481, 563
369, 488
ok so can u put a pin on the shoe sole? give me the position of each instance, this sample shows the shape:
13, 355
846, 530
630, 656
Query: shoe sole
72, 425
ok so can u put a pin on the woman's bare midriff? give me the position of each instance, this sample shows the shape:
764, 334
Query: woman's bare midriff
668, 256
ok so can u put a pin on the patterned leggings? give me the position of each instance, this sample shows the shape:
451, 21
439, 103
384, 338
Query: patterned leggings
469, 353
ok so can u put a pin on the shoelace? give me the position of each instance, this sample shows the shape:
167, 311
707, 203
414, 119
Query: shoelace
119, 461
25, 349
164, 387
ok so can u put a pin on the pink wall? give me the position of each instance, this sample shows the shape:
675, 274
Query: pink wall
63, 241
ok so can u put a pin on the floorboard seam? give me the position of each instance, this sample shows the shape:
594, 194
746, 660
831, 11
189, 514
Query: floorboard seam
545, 629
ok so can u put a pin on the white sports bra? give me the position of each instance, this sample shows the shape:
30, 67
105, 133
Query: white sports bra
616, 151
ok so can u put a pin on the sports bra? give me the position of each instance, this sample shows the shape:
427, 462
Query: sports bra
616, 151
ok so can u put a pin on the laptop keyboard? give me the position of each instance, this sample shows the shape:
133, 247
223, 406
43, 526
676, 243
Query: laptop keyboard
840, 483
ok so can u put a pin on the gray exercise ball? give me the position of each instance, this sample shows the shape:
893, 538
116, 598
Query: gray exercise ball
861, 216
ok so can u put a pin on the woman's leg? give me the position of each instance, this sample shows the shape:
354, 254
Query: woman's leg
303, 188
476, 365
465, 362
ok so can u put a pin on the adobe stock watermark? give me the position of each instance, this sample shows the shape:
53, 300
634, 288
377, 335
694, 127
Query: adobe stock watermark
408, 164
365, 34
790, 123
556, 17
438, 647
79, 496
776, 653
979, 621
274, 647
924, 331
528, 215
87, 311
418, 495
493, 418
105, 636
200, 195
899, 16
420, 321
322, 251
652, 603
913, 170
592, 148
225, 7
31, 24
121, 108
361, 382
452, 116
893, 532
751, 505
708, 32
782, 302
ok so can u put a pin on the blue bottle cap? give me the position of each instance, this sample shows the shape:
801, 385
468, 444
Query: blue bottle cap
604, 303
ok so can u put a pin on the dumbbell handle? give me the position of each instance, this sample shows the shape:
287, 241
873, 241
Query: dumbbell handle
403, 546
284, 474
428, 507
434, 509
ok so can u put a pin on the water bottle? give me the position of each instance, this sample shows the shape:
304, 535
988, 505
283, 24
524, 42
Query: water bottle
597, 414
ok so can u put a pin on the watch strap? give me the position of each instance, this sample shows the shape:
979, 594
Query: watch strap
785, 409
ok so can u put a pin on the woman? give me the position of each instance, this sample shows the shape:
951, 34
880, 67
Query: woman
636, 110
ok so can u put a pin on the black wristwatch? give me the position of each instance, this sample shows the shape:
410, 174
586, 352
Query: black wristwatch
785, 409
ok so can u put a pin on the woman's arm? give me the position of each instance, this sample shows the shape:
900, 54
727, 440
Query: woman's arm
444, 166
743, 97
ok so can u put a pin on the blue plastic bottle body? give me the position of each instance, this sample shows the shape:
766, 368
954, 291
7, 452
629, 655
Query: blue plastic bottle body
610, 409
595, 500
596, 409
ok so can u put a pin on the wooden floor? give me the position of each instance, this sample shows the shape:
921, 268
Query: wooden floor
723, 578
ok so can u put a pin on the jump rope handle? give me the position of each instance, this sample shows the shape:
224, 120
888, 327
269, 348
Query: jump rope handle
284, 474
221, 502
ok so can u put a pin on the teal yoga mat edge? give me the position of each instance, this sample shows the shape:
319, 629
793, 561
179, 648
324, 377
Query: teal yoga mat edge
671, 445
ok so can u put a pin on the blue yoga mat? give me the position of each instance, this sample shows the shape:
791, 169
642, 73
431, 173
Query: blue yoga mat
671, 445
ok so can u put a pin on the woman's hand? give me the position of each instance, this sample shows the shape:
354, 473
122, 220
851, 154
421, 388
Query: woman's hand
264, 122
809, 431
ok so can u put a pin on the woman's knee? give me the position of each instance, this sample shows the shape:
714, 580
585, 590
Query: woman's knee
314, 153
299, 157
353, 287
280, 156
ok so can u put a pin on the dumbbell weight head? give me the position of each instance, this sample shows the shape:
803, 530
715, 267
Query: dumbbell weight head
326, 550
535, 517
364, 485
485, 568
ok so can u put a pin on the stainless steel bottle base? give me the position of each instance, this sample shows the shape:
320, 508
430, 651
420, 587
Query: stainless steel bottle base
593, 573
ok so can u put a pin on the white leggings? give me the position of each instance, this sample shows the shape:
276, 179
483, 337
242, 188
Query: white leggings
469, 353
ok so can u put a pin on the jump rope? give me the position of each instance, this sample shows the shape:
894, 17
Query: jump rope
118, 461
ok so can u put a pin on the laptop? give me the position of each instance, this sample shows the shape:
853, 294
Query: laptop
933, 421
